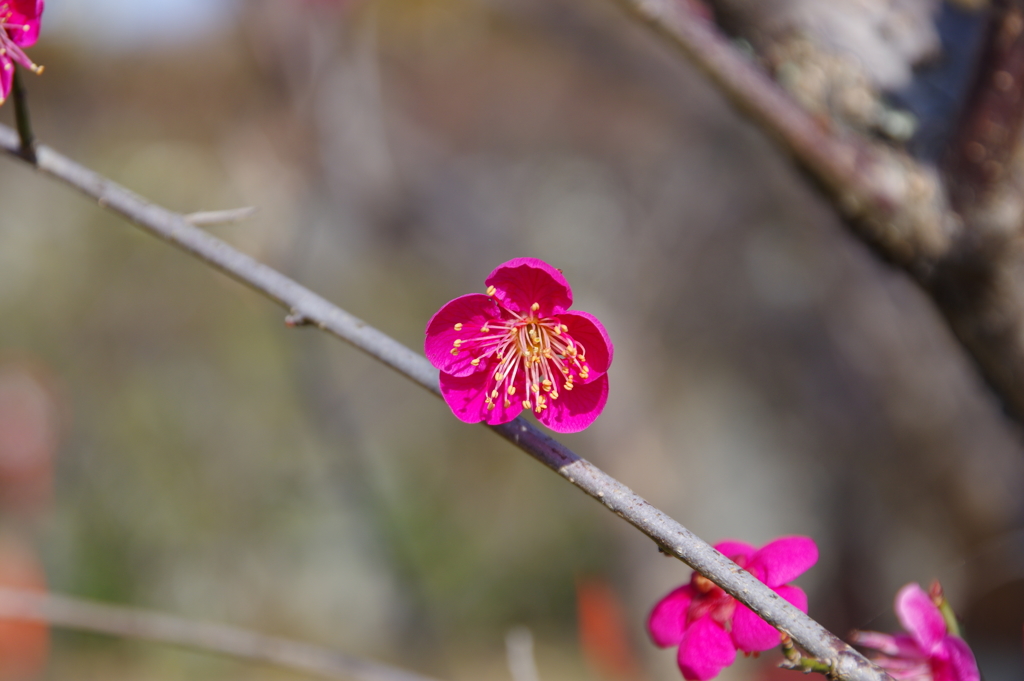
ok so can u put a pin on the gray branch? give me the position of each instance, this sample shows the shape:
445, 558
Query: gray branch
74, 613
307, 307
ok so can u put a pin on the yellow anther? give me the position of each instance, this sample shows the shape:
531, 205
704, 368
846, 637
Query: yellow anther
458, 342
476, 362
511, 390
494, 393
554, 394
455, 351
526, 404
458, 327
485, 329
498, 376
535, 307
535, 388
507, 404
565, 328
567, 386
546, 383
491, 290
490, 406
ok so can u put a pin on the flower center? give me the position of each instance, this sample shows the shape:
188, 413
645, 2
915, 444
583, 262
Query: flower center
539, 349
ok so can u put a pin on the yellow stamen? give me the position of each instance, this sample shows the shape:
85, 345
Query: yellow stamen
491, 290
458, 327
476, 362
535, 307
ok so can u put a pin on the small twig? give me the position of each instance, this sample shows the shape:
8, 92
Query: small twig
21, 116
74, 613
522, 665
221, 217
303, 304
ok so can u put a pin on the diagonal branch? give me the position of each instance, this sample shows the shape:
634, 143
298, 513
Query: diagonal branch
971, 264
307, 307
894, 203
75, 613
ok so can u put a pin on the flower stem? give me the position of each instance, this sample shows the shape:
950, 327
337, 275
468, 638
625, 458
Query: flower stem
21, 117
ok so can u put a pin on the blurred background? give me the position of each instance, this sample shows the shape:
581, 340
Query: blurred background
166, 442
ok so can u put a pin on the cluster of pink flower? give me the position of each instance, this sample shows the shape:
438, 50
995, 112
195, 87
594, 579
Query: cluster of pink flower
19, 27
708, 625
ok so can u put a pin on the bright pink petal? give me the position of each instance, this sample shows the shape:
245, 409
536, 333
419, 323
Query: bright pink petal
876, 640
735, 549
795, 595
23, 24
667, 622
750, 633
705, 650
576, 409
467, 400
783, 560
958, 663
522, 282
920, 617
472, 311
587, 330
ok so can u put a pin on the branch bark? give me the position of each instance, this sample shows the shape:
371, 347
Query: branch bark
308, 308
75, 613
971, 263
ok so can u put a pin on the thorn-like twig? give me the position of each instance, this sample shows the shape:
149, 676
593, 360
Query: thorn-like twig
221, 217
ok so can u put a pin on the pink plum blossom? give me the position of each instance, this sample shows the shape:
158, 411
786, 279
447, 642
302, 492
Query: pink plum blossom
927, 652
519, 347
709, 626
19, 27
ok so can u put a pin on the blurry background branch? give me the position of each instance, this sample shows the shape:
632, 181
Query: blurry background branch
956, 232
74, 613
307, 307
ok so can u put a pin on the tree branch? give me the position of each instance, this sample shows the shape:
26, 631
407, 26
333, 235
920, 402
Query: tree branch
307, 307
75, 613
971, 264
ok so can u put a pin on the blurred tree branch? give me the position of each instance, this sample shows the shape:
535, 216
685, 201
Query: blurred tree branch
308, 308
75, 613
957, 233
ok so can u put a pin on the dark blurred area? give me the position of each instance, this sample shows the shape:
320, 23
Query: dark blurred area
770, 378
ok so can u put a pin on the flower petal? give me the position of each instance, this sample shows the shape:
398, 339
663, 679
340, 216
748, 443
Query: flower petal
576, 409
959, 663
522, 282
24, 13
705, 650
734, 549
587, 330
783, 560
467, 400
751, 634
667, 622
920, 617
472, 311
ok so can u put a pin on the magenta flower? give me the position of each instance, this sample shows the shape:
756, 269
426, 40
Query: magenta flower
19, 27
928, 652
518, 347
709, 625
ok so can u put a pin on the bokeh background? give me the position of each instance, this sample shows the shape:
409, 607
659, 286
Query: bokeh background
166, 442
